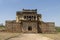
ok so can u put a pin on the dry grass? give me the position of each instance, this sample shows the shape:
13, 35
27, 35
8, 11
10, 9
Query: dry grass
53, 36
5, 36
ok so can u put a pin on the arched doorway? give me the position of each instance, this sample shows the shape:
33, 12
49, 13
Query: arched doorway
29, 28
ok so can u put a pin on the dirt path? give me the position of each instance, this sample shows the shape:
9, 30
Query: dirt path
30, 37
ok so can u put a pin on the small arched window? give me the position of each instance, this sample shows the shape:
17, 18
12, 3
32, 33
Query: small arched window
24, 17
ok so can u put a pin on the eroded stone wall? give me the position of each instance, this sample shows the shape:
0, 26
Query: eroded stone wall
47, 27
13, 26
26, 24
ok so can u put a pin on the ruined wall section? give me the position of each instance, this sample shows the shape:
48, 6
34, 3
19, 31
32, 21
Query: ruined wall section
48, 27
51, 27
12, 26
31, 24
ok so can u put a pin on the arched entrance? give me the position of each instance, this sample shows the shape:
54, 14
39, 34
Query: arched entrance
29, 28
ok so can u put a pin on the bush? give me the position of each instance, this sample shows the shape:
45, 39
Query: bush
58, 29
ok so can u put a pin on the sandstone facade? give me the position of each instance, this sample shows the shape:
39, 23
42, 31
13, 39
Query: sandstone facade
28, 21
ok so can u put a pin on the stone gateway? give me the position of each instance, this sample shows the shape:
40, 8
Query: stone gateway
28, 21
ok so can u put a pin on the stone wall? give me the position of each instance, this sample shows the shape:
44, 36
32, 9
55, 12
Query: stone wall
42, 27
12, 26
26, 24
47, 27
51, 27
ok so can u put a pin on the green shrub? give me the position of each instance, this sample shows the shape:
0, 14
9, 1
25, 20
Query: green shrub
58, 29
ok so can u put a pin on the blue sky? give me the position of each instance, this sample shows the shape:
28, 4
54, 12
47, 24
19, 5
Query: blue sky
50, 9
